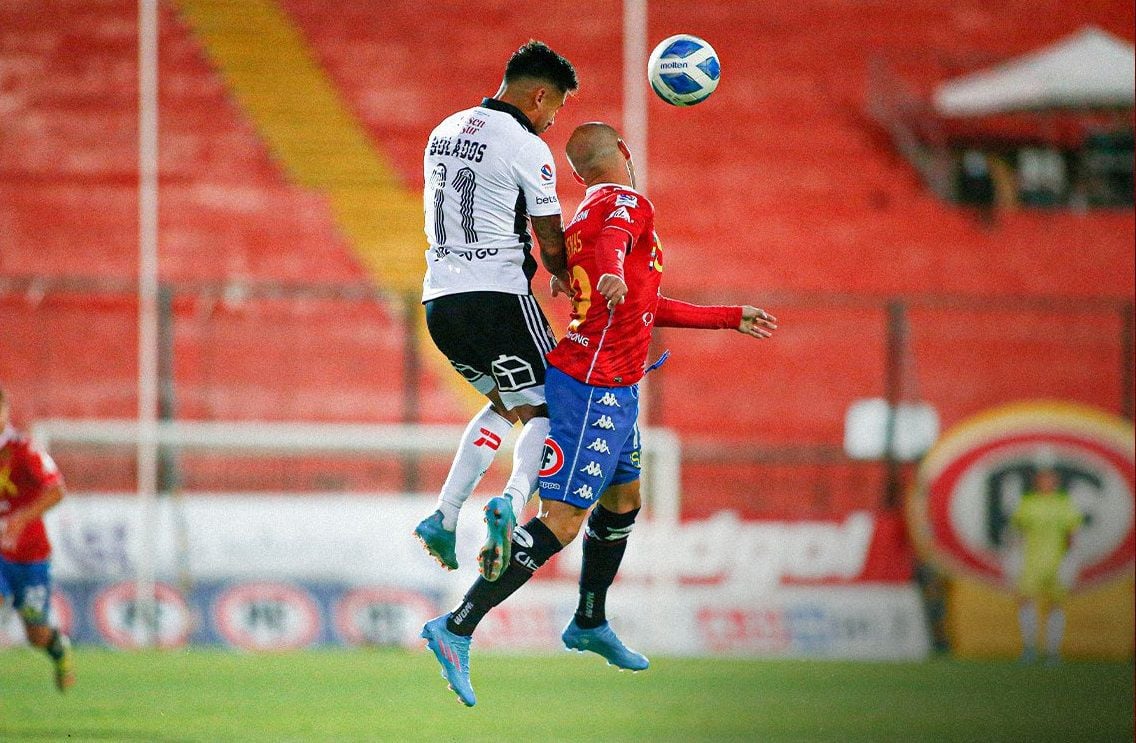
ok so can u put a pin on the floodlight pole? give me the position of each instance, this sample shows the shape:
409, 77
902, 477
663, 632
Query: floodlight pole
145, 620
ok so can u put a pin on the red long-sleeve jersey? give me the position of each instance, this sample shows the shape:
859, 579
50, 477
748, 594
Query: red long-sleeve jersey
25, 473
613, 232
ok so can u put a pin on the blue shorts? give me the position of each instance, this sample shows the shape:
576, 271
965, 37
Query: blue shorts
593, 441
28, 586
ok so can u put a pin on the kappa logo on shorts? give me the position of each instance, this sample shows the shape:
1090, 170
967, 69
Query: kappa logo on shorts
592, 469
605, 422
512, 373
551, 460
610, 400
585, 492
599, 445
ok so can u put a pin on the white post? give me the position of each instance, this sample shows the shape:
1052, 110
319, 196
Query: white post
635, 112
635, 86
145, 619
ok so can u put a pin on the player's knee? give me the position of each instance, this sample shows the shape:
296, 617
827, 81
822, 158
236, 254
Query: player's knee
562, 519
622, 498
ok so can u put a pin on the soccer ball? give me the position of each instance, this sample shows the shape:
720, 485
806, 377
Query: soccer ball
683, 70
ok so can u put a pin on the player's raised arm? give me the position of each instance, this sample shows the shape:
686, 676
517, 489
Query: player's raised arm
549, 233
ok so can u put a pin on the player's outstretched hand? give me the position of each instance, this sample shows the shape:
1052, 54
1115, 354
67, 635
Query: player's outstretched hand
613, 288
558, 287
756, 322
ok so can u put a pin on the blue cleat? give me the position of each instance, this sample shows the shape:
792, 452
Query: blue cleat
438, 540
603, 642
452, 652
498, 547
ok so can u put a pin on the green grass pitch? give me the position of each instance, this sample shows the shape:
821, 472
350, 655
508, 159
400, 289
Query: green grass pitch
205, 695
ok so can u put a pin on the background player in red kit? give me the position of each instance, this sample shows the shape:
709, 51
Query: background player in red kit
592, 454
30, 484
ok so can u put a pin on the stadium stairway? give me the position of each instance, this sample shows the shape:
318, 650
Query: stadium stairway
270, 70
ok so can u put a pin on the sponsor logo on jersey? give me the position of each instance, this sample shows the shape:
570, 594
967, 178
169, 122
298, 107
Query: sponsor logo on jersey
626, 199
620, 213
472, 125
546, 172
542, 200
972, 480
579, 215
552, 459
575, 337
648, 318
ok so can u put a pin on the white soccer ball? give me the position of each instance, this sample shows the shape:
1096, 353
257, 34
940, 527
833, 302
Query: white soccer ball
683, 70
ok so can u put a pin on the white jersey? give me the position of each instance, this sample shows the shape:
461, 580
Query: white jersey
486, 171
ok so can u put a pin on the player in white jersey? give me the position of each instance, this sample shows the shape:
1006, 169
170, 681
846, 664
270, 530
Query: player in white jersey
487, 174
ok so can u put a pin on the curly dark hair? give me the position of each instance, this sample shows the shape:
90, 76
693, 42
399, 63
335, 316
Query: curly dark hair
536, 60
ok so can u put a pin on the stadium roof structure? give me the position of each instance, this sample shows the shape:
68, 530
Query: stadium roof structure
1090, 69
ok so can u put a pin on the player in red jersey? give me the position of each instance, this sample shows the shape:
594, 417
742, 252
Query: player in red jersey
592, 455
30, 484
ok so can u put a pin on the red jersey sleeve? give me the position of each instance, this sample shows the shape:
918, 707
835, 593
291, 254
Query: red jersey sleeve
42, 468
622, 226
673, 313
611, 247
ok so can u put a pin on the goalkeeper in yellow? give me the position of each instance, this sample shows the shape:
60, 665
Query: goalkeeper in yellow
1044, 523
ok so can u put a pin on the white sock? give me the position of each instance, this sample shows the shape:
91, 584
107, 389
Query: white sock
1027, 618
1054, 630
479, 444
527, 455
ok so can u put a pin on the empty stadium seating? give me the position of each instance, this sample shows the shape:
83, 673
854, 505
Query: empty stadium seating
778, 191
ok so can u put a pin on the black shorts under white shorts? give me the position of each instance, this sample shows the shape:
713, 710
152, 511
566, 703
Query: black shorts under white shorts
494, 340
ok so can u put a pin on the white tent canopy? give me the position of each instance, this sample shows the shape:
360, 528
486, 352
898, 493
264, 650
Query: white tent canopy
1090, 69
